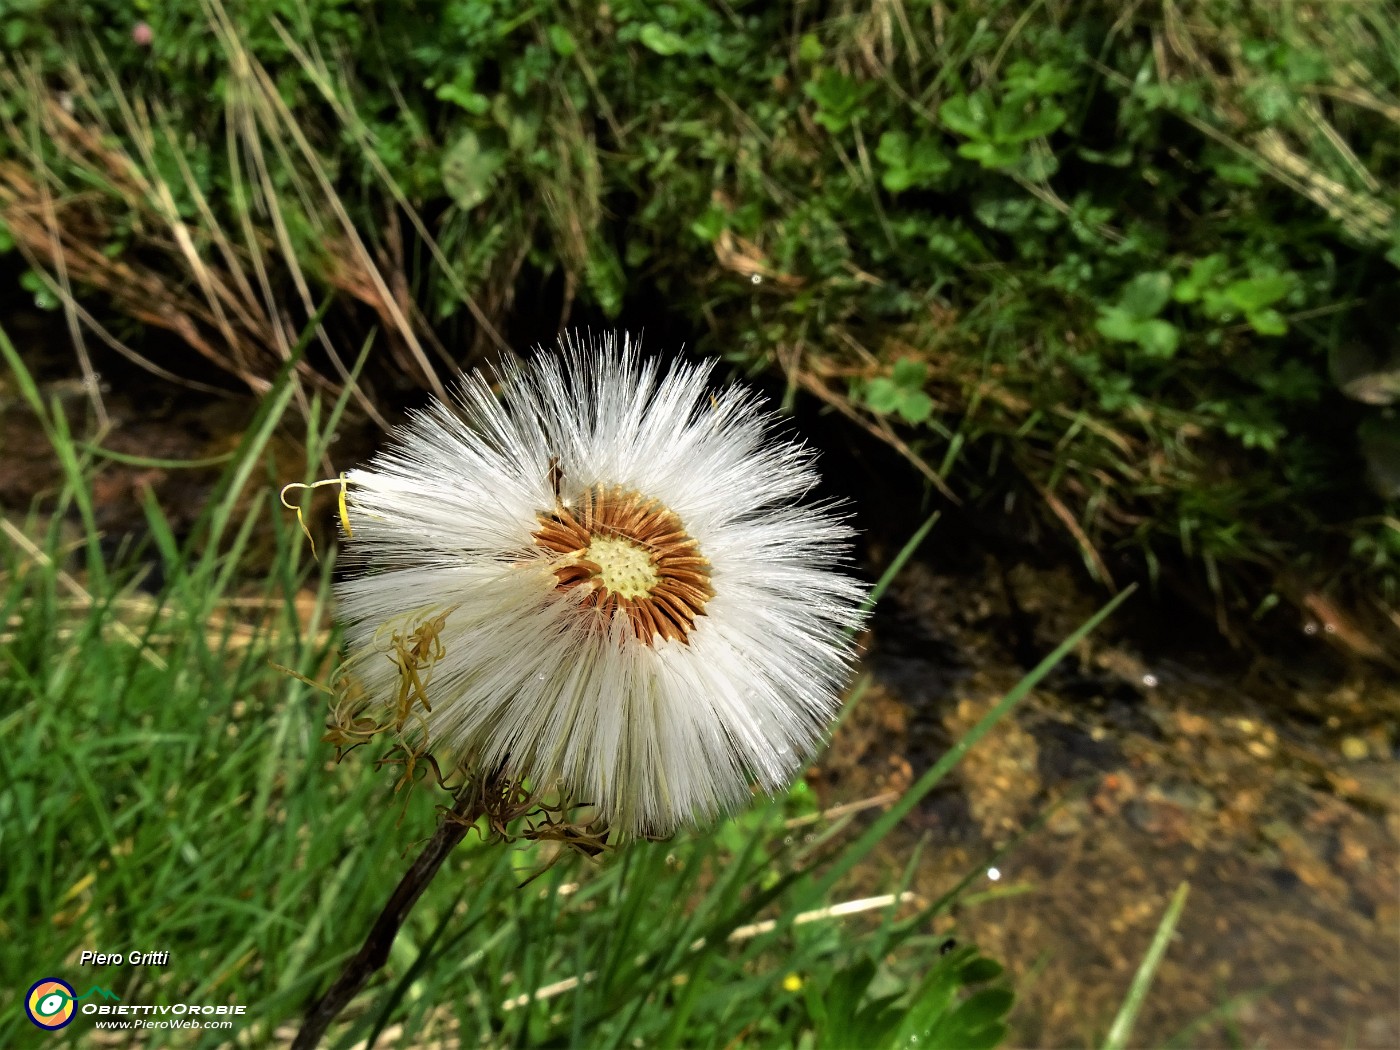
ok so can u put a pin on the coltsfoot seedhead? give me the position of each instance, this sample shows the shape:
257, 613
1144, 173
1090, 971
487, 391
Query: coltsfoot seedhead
604, 586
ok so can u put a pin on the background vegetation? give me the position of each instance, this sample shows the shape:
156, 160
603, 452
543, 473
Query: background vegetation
1125, 269
170, 789
1121, 272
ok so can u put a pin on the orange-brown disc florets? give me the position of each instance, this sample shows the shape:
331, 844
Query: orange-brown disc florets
633, 555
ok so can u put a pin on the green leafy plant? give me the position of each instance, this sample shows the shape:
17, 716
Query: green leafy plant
999, 126
901, 392
864, 1004
918, 164
840, 99
1222, 297
1134, 319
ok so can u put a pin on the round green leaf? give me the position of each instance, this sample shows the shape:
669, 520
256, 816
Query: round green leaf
469, 169
1146, 294
662, 41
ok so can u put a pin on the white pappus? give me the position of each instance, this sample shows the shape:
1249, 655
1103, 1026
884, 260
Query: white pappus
643, 611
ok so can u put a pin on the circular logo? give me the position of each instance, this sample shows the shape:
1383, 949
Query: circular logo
49, 1003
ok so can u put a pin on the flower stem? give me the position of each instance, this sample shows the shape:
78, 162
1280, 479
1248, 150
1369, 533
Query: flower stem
372, 955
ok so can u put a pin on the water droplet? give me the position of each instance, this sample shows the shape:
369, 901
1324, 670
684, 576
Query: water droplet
539, 676
1149, 680
994, 874
757, 278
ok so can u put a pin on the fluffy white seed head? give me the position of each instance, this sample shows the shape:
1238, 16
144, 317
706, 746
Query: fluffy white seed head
641, 611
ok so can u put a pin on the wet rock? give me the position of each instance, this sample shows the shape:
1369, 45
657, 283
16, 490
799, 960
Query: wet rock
1001, 777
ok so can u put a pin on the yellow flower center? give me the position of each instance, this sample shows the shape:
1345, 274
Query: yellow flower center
623, 567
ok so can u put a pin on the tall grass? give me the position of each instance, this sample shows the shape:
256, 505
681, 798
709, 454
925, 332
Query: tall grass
167, 789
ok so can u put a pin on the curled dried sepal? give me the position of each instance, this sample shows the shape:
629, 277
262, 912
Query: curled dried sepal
502, 802
415, 652
499, 800
413, 645
408, 756
351, 734
589, 839
347, 727
342, 482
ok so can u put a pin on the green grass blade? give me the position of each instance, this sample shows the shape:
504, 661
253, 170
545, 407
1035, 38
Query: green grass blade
1122, 1029
129, 460
27, 387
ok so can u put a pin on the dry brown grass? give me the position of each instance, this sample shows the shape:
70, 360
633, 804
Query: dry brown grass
94, 208
1314, 149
